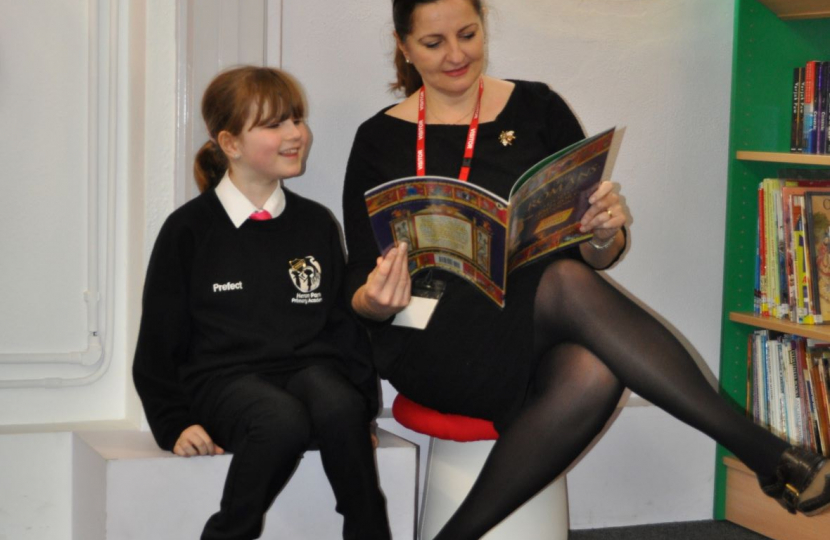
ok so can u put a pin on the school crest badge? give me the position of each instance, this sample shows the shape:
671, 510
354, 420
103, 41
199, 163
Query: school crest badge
305, 273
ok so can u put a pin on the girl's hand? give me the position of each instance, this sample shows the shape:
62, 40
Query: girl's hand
194, 441
606, 215
387, 289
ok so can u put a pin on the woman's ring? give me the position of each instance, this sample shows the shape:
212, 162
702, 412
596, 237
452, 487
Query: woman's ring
610, 214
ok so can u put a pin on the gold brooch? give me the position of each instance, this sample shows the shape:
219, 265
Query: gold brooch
506, 138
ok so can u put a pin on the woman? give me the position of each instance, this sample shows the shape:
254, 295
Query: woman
550, 368
246, 342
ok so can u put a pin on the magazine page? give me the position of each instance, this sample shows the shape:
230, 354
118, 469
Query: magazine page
448, 224
549, 200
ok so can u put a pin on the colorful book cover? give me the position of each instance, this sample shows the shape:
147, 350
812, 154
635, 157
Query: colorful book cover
818, 216
461, 228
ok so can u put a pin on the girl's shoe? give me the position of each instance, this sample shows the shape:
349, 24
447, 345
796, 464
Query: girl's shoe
801, 482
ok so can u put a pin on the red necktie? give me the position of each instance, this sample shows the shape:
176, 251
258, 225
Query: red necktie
261, 215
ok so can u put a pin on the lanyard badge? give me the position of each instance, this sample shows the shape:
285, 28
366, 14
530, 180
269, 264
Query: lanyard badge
427, 291
469, 146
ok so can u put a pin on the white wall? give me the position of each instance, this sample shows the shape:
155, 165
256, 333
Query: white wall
660, 69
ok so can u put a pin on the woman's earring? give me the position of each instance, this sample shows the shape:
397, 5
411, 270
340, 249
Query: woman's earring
407, 60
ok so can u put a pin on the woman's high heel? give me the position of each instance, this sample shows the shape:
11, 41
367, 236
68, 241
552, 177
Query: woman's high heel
801, 482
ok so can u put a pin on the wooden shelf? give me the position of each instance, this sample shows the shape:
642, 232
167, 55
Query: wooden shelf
815, 331
799, 9
785, 157
747, 506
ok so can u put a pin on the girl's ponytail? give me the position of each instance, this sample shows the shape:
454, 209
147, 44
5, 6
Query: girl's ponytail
209, 166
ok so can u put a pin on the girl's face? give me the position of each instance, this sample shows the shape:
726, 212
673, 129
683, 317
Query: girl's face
446, 45
272, 151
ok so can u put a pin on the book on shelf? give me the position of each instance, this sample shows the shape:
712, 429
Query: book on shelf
788, 377
796, 134
788, 278
818, 220
821, 107
810, 113
809, 125
462, 228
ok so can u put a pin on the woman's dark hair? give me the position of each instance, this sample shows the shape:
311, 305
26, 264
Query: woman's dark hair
227, 104
408, 78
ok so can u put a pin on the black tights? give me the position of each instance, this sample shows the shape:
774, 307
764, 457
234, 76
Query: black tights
592, 342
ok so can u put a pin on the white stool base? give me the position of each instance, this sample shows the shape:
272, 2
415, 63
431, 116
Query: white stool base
453, 467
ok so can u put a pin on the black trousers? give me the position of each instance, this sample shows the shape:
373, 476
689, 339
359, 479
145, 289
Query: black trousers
268, 422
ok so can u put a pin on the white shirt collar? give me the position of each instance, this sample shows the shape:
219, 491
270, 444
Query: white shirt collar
239, 208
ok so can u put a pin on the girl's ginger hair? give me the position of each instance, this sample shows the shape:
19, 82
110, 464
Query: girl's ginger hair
229, 100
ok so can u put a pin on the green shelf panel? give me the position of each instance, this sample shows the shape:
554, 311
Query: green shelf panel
766, 49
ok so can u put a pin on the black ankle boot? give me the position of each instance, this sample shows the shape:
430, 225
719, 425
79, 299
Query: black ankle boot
797, 470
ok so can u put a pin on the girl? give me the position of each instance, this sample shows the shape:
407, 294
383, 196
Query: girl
549, 369
246, 343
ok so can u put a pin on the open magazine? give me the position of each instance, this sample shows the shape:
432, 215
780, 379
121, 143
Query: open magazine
462, 228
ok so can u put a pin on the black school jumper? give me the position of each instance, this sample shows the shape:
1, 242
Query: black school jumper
246, 332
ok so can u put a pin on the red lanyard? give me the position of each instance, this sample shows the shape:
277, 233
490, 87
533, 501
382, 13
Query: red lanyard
420, 145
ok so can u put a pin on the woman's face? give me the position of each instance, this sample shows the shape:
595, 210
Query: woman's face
446, 45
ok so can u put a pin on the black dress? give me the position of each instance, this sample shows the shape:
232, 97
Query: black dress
473, 358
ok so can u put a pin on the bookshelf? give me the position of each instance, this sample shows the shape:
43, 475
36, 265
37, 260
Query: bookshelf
798, 9
771, 38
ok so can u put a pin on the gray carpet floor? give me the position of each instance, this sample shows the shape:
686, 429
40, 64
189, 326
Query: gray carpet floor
690, 530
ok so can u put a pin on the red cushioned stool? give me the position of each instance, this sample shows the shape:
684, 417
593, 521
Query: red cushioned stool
458, 447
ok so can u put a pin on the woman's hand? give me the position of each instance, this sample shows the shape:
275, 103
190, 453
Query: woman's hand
606, 215
386, 291
194, 441
605, 218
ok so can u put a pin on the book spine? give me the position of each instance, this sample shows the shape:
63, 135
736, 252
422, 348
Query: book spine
811, 299
824, 369
809, 108
795, 396
818, 392
781, 383
769, 394
801, 89
763, 305
825, 142
801, 373
795, 133
821, 107
811, 397
762, 399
